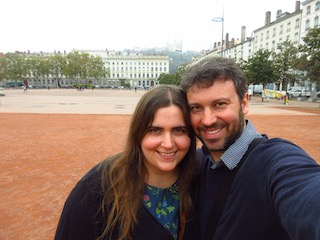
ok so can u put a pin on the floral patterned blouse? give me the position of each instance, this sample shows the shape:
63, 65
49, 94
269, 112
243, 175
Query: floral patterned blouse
163, 204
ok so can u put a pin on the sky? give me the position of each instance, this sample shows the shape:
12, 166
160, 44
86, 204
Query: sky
66, 25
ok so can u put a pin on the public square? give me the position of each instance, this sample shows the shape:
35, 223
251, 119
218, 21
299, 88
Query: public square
51, 138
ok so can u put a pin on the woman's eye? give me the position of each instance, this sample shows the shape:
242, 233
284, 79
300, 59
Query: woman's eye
194, 108
180, 130
154, 130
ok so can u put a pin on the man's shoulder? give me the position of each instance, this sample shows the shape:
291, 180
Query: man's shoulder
280, 151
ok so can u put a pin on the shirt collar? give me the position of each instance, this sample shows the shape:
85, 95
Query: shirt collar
232, 156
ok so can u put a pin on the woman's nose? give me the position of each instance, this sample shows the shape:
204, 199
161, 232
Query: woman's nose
167, 141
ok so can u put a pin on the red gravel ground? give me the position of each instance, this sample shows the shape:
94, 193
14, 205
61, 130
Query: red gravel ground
44, 155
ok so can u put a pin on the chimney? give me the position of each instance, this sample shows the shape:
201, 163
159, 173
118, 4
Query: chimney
227, 41
243, 34
232, 42
279, 12
268, 18
297, 5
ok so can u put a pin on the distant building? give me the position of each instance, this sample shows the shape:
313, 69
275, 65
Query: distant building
141, 71
287, 26
134, 70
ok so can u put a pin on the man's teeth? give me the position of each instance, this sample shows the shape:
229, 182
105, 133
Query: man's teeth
213, 131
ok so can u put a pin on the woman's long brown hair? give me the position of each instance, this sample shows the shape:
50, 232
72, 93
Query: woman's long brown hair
124, 175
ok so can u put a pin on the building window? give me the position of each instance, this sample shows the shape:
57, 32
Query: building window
297, 23
296, 38
317, 6
267, 35
288, 27
308, 10
261, 37
316, 22
273, 47
307, 25
281, 29
274, 31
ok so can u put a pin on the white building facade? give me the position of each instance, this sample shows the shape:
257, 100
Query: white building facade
287, 26
140, 71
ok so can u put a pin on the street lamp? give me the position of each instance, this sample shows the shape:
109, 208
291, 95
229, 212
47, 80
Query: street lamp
221, 19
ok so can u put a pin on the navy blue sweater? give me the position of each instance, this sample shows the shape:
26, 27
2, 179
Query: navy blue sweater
275, 195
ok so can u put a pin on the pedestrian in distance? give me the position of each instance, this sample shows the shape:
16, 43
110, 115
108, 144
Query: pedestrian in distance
250, 93
251, 187
146, 191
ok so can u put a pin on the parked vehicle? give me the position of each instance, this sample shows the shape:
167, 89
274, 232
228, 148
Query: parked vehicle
295, 92
2, 91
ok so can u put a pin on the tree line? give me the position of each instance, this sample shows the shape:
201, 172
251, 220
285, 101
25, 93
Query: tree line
20, 66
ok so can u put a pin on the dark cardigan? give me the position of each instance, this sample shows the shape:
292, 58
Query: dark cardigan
81, 217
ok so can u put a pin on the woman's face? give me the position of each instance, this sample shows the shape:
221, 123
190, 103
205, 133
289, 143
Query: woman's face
166, 142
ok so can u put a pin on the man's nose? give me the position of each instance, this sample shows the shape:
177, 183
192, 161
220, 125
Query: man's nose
209, 117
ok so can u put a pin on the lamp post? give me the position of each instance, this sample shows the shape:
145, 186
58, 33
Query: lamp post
220, 19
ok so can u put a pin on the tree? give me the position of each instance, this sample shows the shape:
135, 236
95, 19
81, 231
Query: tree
3, 69
166, 79
58, 64
172, 78
259, 68
17, 67
34, 66
309, 60
73, 67
284, 61
96, 68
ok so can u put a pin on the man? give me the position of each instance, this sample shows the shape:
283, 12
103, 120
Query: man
276, 192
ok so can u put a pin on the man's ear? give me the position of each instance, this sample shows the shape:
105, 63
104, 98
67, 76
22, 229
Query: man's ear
245, 104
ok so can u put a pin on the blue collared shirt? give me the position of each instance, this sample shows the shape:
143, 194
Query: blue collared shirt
232, 156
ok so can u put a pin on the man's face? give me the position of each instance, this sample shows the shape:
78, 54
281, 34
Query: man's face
217, 115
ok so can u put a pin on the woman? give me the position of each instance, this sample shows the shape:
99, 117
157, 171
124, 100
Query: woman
145, 192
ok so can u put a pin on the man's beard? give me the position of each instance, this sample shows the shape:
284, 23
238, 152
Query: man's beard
229, 140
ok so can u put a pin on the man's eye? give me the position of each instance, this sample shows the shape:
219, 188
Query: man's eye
221, 104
